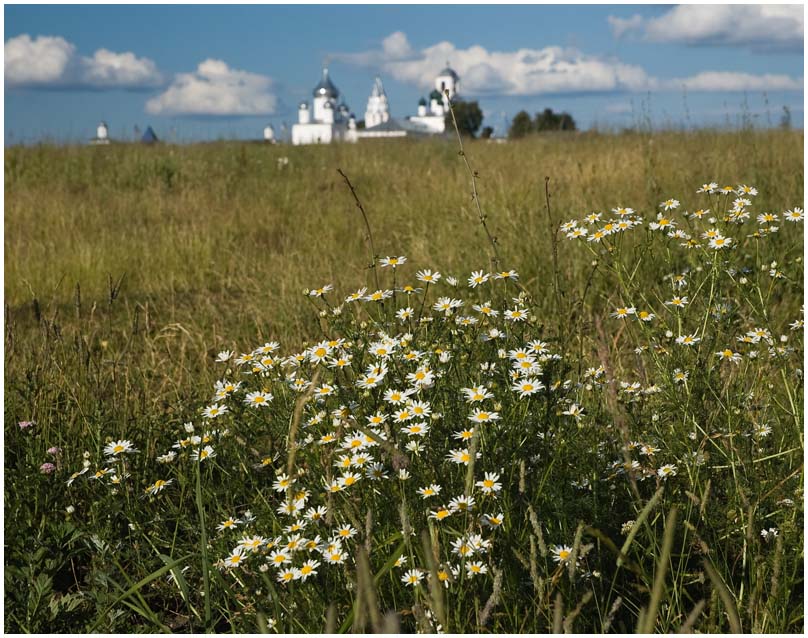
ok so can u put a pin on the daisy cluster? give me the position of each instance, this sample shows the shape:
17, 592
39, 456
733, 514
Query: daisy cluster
714, 227
395, 410
706, 323
434, 404
383, 411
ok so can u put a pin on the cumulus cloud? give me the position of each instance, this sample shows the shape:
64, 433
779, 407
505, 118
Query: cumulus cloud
53, 62
763, 28
396, 45
215, 89
107, 68
43, 60
520, 72
551, 70
730, 81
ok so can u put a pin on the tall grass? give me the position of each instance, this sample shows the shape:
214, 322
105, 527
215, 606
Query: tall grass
129, 268
227, 232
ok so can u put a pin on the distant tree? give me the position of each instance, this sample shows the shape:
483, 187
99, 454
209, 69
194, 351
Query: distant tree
360, 125
521, 125
487, 132
545, 121
566, 123
549, 121
469, 117
785, 119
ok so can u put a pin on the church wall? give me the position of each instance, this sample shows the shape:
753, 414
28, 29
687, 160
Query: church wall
312, 134
433, 123
321, 133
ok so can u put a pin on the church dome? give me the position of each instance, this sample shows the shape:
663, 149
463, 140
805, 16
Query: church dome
326, 87
435, 95
450, 72
378, 88
422, 102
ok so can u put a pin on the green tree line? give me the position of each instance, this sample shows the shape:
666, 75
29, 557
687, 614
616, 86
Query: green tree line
523, 125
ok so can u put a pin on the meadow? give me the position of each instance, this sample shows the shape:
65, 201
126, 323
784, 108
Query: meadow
235, 400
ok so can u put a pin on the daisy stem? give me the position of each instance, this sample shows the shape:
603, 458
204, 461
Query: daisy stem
469, 484
204, 538
713, 276
423, 302
395, 305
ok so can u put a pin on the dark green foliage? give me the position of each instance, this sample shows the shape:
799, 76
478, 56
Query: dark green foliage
521, 126
547, 120
469, 117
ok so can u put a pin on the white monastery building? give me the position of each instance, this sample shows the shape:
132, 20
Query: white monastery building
328, 121
432, 116
101, 134
377, 111
269, 134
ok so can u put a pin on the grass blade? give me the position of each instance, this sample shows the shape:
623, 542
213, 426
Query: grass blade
136, 587
661, 572
726, 597
638, 523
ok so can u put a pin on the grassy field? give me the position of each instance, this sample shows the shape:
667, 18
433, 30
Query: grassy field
129, 268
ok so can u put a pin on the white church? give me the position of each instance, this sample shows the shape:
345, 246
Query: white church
432, 116
327, 121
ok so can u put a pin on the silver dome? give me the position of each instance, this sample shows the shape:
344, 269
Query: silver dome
326, 87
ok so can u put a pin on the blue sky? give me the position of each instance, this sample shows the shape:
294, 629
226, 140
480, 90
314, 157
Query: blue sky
207, 72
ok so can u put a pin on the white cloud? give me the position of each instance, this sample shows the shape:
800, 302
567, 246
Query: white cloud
551, 70
396, 45
763, 28
215, 89
40, 61
521, 72
52, 62
110, 69
729, 81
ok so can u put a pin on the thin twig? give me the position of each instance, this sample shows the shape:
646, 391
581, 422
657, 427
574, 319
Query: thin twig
474, 196
369, 236
554, 240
